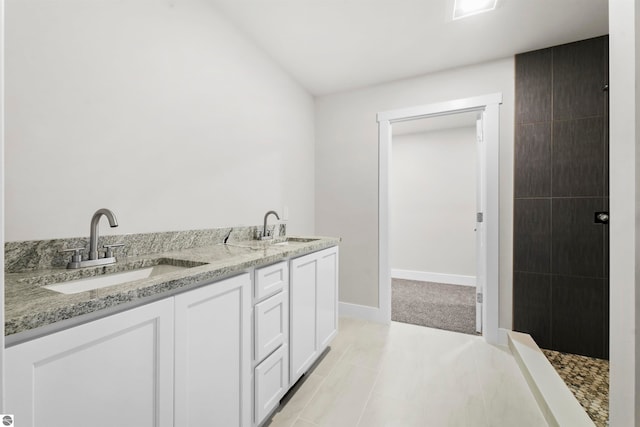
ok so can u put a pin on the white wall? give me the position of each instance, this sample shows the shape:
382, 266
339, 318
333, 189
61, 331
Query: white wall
158, 110
433, 202
347, 168
2, 168
624, 158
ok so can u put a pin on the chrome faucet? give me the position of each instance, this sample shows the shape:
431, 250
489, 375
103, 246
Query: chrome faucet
95, 220
93, 238
265, 234
94, 259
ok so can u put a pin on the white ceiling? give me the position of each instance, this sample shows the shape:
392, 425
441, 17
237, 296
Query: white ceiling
336, 45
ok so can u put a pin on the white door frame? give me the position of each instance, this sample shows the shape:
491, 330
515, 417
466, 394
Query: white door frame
2, 169
488, 106
481, 241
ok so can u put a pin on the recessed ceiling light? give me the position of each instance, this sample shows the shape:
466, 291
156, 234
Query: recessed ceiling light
464, 8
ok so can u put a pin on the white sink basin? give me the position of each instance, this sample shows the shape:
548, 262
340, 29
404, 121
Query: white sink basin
278, 241
98, 282
295, 240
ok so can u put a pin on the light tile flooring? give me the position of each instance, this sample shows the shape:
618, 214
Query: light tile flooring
403, 375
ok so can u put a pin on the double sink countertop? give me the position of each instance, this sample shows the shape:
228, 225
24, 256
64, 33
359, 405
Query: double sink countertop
29, 306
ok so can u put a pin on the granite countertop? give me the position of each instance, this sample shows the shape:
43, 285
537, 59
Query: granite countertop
29, 306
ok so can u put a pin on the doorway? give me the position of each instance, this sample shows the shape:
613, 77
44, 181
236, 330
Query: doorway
487, 109
434, 197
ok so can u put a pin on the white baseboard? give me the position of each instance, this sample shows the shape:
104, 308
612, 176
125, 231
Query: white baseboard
425, 276
358, 311
503, 337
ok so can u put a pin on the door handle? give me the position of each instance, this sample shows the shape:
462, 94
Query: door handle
601, 217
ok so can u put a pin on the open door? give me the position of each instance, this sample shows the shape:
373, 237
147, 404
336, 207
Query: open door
481, 233
488, 242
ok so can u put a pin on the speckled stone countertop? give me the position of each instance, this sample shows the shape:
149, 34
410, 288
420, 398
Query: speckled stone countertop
29, 306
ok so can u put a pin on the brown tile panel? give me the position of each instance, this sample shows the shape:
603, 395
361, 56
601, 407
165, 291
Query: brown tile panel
532, 235
532, 177
532, 306
577, 242
578, 79
533, 86
578, 158
606, 118
605, 315
577, 312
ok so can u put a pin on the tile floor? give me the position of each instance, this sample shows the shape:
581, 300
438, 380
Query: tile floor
403, 375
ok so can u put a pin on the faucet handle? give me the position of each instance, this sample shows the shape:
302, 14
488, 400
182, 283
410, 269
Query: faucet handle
77, 254
109, 252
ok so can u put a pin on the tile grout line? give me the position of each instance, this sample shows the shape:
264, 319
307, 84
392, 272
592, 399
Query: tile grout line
366, 403
482, 389
299, 417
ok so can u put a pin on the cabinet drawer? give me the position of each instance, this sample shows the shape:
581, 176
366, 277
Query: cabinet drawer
271, 324
271, 382
270, 280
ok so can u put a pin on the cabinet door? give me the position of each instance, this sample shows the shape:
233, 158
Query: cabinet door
271, 382
327, 297
302, 295
212, 357
313, 303
113, 371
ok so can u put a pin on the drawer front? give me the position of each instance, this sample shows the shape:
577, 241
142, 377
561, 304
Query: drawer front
272, 379
271, 318
271, 280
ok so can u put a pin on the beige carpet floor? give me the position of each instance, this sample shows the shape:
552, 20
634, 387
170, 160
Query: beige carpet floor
436, 305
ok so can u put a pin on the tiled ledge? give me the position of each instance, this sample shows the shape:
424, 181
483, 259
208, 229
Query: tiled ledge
556, 401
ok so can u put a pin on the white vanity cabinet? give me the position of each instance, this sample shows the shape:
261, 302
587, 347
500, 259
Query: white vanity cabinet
313, 293
219, 355
213, 355
186, 357
117, 370
271, 336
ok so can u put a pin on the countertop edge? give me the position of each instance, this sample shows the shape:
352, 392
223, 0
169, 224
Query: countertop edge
48, 312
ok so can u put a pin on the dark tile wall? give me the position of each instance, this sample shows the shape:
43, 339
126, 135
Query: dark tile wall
560, 255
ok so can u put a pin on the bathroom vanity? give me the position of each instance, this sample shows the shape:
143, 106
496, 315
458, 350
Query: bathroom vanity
217, 344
